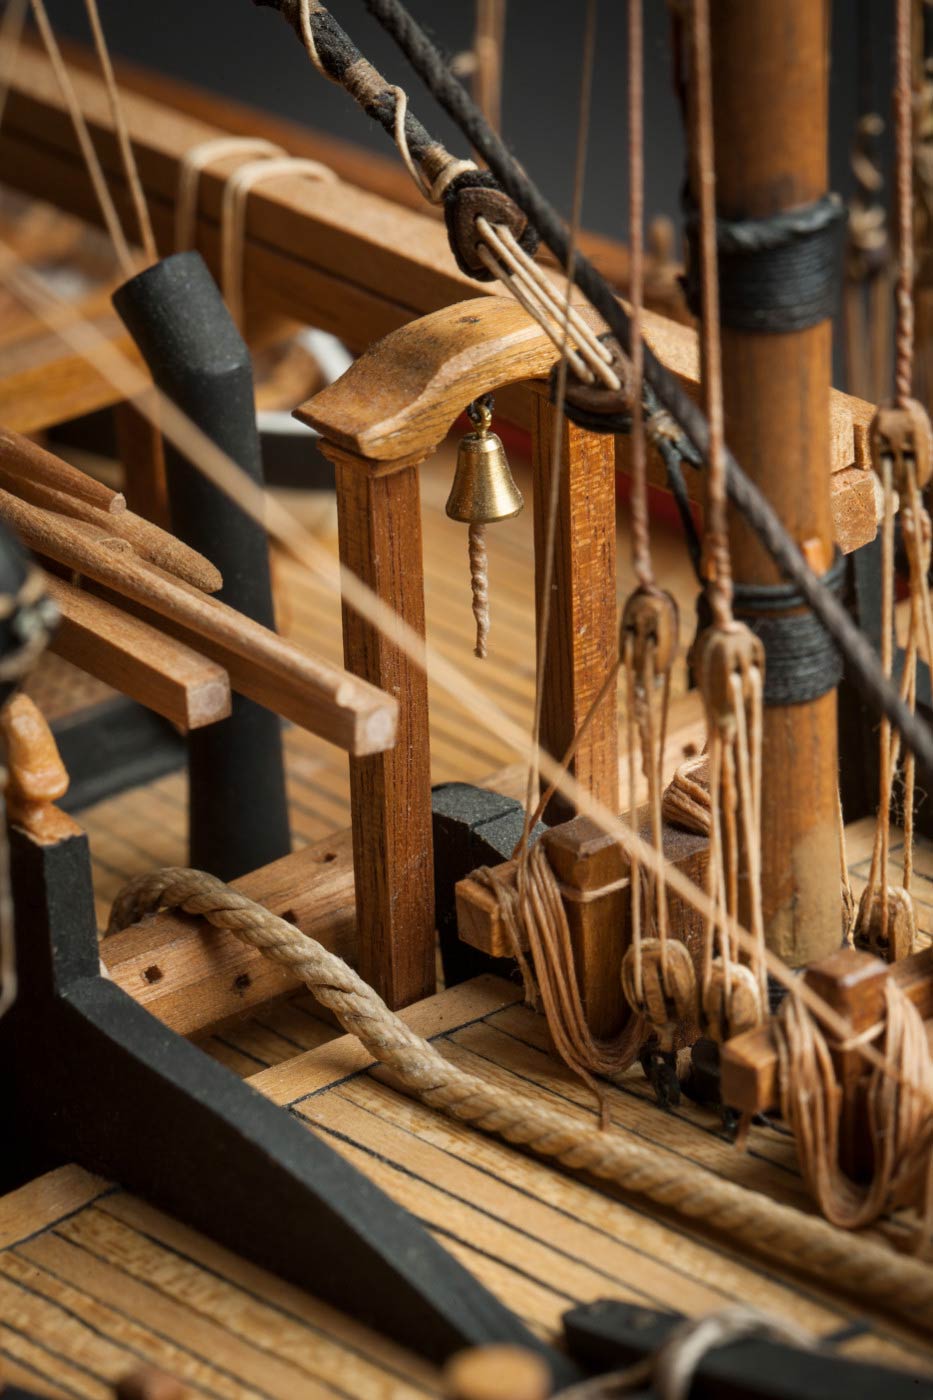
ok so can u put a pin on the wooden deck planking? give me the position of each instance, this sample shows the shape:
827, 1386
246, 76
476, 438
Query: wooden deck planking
92, 1279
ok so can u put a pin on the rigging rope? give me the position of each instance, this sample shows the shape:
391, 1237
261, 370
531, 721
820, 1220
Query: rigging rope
877, 692
902, 456
730, 658
95, 170
118, 117
869, 1271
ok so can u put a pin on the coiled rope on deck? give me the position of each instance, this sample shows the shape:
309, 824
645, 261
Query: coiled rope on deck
777, 1232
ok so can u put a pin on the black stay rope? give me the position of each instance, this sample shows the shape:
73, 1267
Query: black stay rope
864, 667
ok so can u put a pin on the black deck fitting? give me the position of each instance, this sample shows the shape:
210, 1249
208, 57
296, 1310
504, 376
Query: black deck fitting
238, 815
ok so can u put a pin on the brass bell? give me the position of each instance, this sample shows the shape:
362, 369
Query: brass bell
483, 489
483, 492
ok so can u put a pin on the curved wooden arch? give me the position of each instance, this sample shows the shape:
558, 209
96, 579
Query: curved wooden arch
400, 398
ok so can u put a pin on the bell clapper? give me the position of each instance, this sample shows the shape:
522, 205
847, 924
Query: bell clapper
483, 491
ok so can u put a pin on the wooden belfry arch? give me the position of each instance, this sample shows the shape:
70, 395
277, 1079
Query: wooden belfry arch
378, 423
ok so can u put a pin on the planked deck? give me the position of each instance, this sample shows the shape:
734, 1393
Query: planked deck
93, 1281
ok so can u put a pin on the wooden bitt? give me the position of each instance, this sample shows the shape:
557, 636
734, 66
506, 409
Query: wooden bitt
138, 660
852, 982
771, 145
379, 523
581, 646
497, 1373
585, 859
191, 975
275, 672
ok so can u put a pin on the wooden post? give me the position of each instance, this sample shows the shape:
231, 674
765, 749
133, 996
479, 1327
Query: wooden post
379, 520
582, 641
139, 449
770, 68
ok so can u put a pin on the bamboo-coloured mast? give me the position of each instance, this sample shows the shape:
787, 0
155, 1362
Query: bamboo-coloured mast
770, 85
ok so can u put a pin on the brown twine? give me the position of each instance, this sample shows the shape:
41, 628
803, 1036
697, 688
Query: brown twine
874, 1274
533, 916
899, 1120
641, 526
237, 188
717, 531
903, 141
479, 584
137, 193
95, 170
196, 159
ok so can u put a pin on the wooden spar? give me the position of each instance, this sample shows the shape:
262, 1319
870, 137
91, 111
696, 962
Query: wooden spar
37, 476
268, 668
770, 81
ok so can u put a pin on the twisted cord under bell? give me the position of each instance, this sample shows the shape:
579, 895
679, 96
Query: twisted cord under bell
483, 491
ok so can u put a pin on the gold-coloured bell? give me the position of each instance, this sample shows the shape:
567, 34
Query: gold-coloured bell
483, 492
483, 489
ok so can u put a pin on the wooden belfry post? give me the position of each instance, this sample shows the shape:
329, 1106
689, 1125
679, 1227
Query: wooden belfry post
770, 91
379, 521
582, 641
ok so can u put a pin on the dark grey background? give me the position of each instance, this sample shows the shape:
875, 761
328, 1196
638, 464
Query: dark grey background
247, 52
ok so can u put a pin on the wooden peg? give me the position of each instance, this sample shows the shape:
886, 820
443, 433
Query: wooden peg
37, 776
497, 1373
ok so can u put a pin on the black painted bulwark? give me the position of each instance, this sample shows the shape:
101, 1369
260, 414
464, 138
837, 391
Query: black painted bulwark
90, 1076
238, 816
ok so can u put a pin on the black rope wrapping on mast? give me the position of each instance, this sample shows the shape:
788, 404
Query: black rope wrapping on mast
781, 273
880, 695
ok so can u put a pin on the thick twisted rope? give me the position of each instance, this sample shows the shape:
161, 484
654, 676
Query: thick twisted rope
776, 1232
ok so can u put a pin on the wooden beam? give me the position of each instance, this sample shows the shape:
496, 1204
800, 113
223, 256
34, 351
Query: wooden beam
140, 452
43, 382
138, 660
379, 520
581, 647
191, 975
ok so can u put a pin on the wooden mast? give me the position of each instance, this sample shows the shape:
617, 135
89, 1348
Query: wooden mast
770, 86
